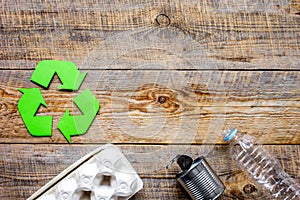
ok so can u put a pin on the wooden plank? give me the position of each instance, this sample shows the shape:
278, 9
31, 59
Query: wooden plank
146, 106
25, 168
226, 34
158, 69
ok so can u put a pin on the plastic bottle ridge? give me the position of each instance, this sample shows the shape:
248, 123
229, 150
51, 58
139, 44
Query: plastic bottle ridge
260, 165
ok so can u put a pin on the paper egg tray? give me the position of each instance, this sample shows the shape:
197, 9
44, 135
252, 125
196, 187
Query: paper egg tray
104, 174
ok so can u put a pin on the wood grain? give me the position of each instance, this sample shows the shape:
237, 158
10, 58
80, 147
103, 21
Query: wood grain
234, 35
264, 104
166, 73
28, 167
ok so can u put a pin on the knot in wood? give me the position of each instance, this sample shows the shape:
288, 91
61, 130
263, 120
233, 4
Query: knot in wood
162, 20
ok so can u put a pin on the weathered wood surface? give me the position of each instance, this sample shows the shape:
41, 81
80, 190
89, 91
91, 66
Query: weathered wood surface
264, 104
28, 167
235, 34
167, 69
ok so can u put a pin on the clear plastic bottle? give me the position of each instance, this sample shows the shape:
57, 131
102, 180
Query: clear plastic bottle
261, 166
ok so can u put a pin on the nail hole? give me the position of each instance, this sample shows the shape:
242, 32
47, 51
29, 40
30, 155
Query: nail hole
162, 20
249, 188
162, 99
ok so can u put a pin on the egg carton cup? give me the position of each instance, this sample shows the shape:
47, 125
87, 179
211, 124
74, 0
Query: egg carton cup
104, 174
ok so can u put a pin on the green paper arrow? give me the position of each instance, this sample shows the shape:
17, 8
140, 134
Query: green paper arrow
79, 124
67, 72
28, 106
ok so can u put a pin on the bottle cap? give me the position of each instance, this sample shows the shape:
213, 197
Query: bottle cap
229, 133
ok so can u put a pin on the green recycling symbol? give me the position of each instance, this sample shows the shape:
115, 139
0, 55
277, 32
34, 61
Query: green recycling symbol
32, 99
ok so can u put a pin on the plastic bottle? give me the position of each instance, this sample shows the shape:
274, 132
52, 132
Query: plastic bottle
261, 166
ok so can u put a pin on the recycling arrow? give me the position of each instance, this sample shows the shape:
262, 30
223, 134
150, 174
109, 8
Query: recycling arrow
28, 106
71, 80
67, 72
79, 124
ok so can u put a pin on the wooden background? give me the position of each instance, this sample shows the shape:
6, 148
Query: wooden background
169, 76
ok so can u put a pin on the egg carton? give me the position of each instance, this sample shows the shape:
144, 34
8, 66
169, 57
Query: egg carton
104, 174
